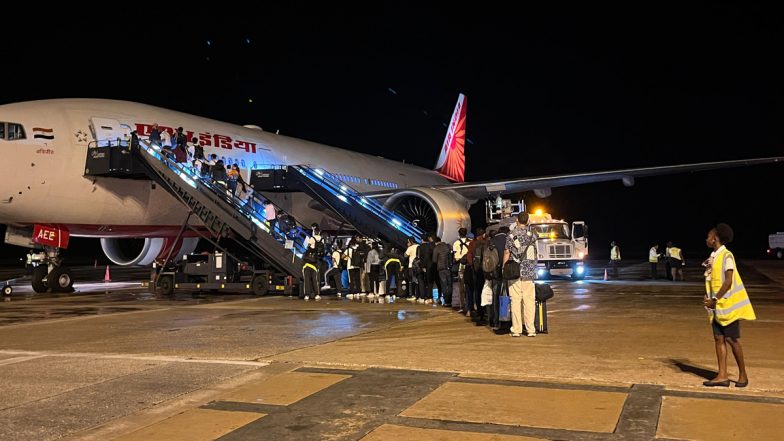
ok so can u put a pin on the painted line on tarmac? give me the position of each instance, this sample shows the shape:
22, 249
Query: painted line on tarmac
19, 359
162, 358
84, 317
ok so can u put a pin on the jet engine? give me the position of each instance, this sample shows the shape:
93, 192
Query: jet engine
433, 211
144, 251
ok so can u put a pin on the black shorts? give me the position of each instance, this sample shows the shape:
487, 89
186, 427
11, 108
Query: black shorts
730, 331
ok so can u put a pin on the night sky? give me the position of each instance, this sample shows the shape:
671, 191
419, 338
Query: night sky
548, 93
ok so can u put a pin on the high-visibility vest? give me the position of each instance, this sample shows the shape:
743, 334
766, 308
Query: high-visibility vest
615, 253
675, 253
653, 256
735, 304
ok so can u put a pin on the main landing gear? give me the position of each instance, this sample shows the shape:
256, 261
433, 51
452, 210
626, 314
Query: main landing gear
51, 275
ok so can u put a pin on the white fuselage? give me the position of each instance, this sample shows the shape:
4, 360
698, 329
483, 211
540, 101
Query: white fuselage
43, 182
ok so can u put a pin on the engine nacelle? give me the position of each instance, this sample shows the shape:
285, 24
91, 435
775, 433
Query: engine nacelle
432, 210
144, 252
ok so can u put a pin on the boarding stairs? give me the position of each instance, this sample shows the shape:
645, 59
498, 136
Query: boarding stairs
221, 213
365, 214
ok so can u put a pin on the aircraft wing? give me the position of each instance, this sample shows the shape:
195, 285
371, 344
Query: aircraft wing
542, 185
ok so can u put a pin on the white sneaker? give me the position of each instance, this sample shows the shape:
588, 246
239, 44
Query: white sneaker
340, 295
531, 334
307, 297
326, 287
420, 301
371, 295
412, 299
318, 297
514, 334
349, 296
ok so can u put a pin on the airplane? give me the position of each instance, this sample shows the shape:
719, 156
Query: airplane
45, 145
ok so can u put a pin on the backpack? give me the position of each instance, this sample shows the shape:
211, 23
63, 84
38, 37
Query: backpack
320, 249
359, 256
489, 258
477, 263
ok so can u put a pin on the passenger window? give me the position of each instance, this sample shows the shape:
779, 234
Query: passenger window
2, 130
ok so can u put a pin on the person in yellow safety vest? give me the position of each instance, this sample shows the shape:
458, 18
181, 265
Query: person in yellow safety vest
615, 258
675, 261
727, 302
653, 258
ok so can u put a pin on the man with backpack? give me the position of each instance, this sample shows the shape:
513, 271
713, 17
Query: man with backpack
357, 254
476, 276
427, 270
521, 247
412, 264
492, 268
442, 259
460, 255
316, 242
310, 269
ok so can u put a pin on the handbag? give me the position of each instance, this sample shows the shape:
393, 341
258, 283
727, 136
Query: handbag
504, 309
511, 269
543, 292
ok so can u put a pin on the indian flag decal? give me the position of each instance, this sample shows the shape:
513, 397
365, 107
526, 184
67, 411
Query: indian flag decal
39, 132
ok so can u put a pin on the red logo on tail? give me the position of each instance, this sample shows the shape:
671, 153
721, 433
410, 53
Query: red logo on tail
451, 163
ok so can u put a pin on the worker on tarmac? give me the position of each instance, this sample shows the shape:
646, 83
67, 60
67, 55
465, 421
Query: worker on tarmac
615, 258
653, 258
676, 261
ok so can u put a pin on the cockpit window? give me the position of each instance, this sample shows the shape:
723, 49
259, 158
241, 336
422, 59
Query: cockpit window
11, 131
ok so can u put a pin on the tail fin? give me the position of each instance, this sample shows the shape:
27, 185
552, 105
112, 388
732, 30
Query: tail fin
451, 163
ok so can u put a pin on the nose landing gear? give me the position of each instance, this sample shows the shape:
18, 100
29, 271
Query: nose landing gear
51, 275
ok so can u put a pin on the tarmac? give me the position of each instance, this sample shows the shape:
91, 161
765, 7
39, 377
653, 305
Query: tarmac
623, 360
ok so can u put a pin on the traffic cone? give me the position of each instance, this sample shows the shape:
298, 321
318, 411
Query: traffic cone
605, 274
106, 277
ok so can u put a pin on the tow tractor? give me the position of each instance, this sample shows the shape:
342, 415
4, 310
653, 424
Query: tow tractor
219, 271
561, 247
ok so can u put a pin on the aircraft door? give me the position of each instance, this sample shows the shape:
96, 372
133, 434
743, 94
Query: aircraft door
109, 132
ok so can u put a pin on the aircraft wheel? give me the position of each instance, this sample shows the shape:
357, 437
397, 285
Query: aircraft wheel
260, 285
8, 290
39, 278
166, 285
60, 280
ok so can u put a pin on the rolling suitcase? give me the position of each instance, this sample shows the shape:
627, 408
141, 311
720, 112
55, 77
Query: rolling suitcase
540, 317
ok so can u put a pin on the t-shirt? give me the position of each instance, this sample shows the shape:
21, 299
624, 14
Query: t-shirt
411, 253
460, 248
311, 240
269, 212
521, 244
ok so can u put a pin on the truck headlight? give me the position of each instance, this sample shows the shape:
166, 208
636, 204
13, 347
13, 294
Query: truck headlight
540, 272
580, 269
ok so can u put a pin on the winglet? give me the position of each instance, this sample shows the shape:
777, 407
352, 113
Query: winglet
451, 163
